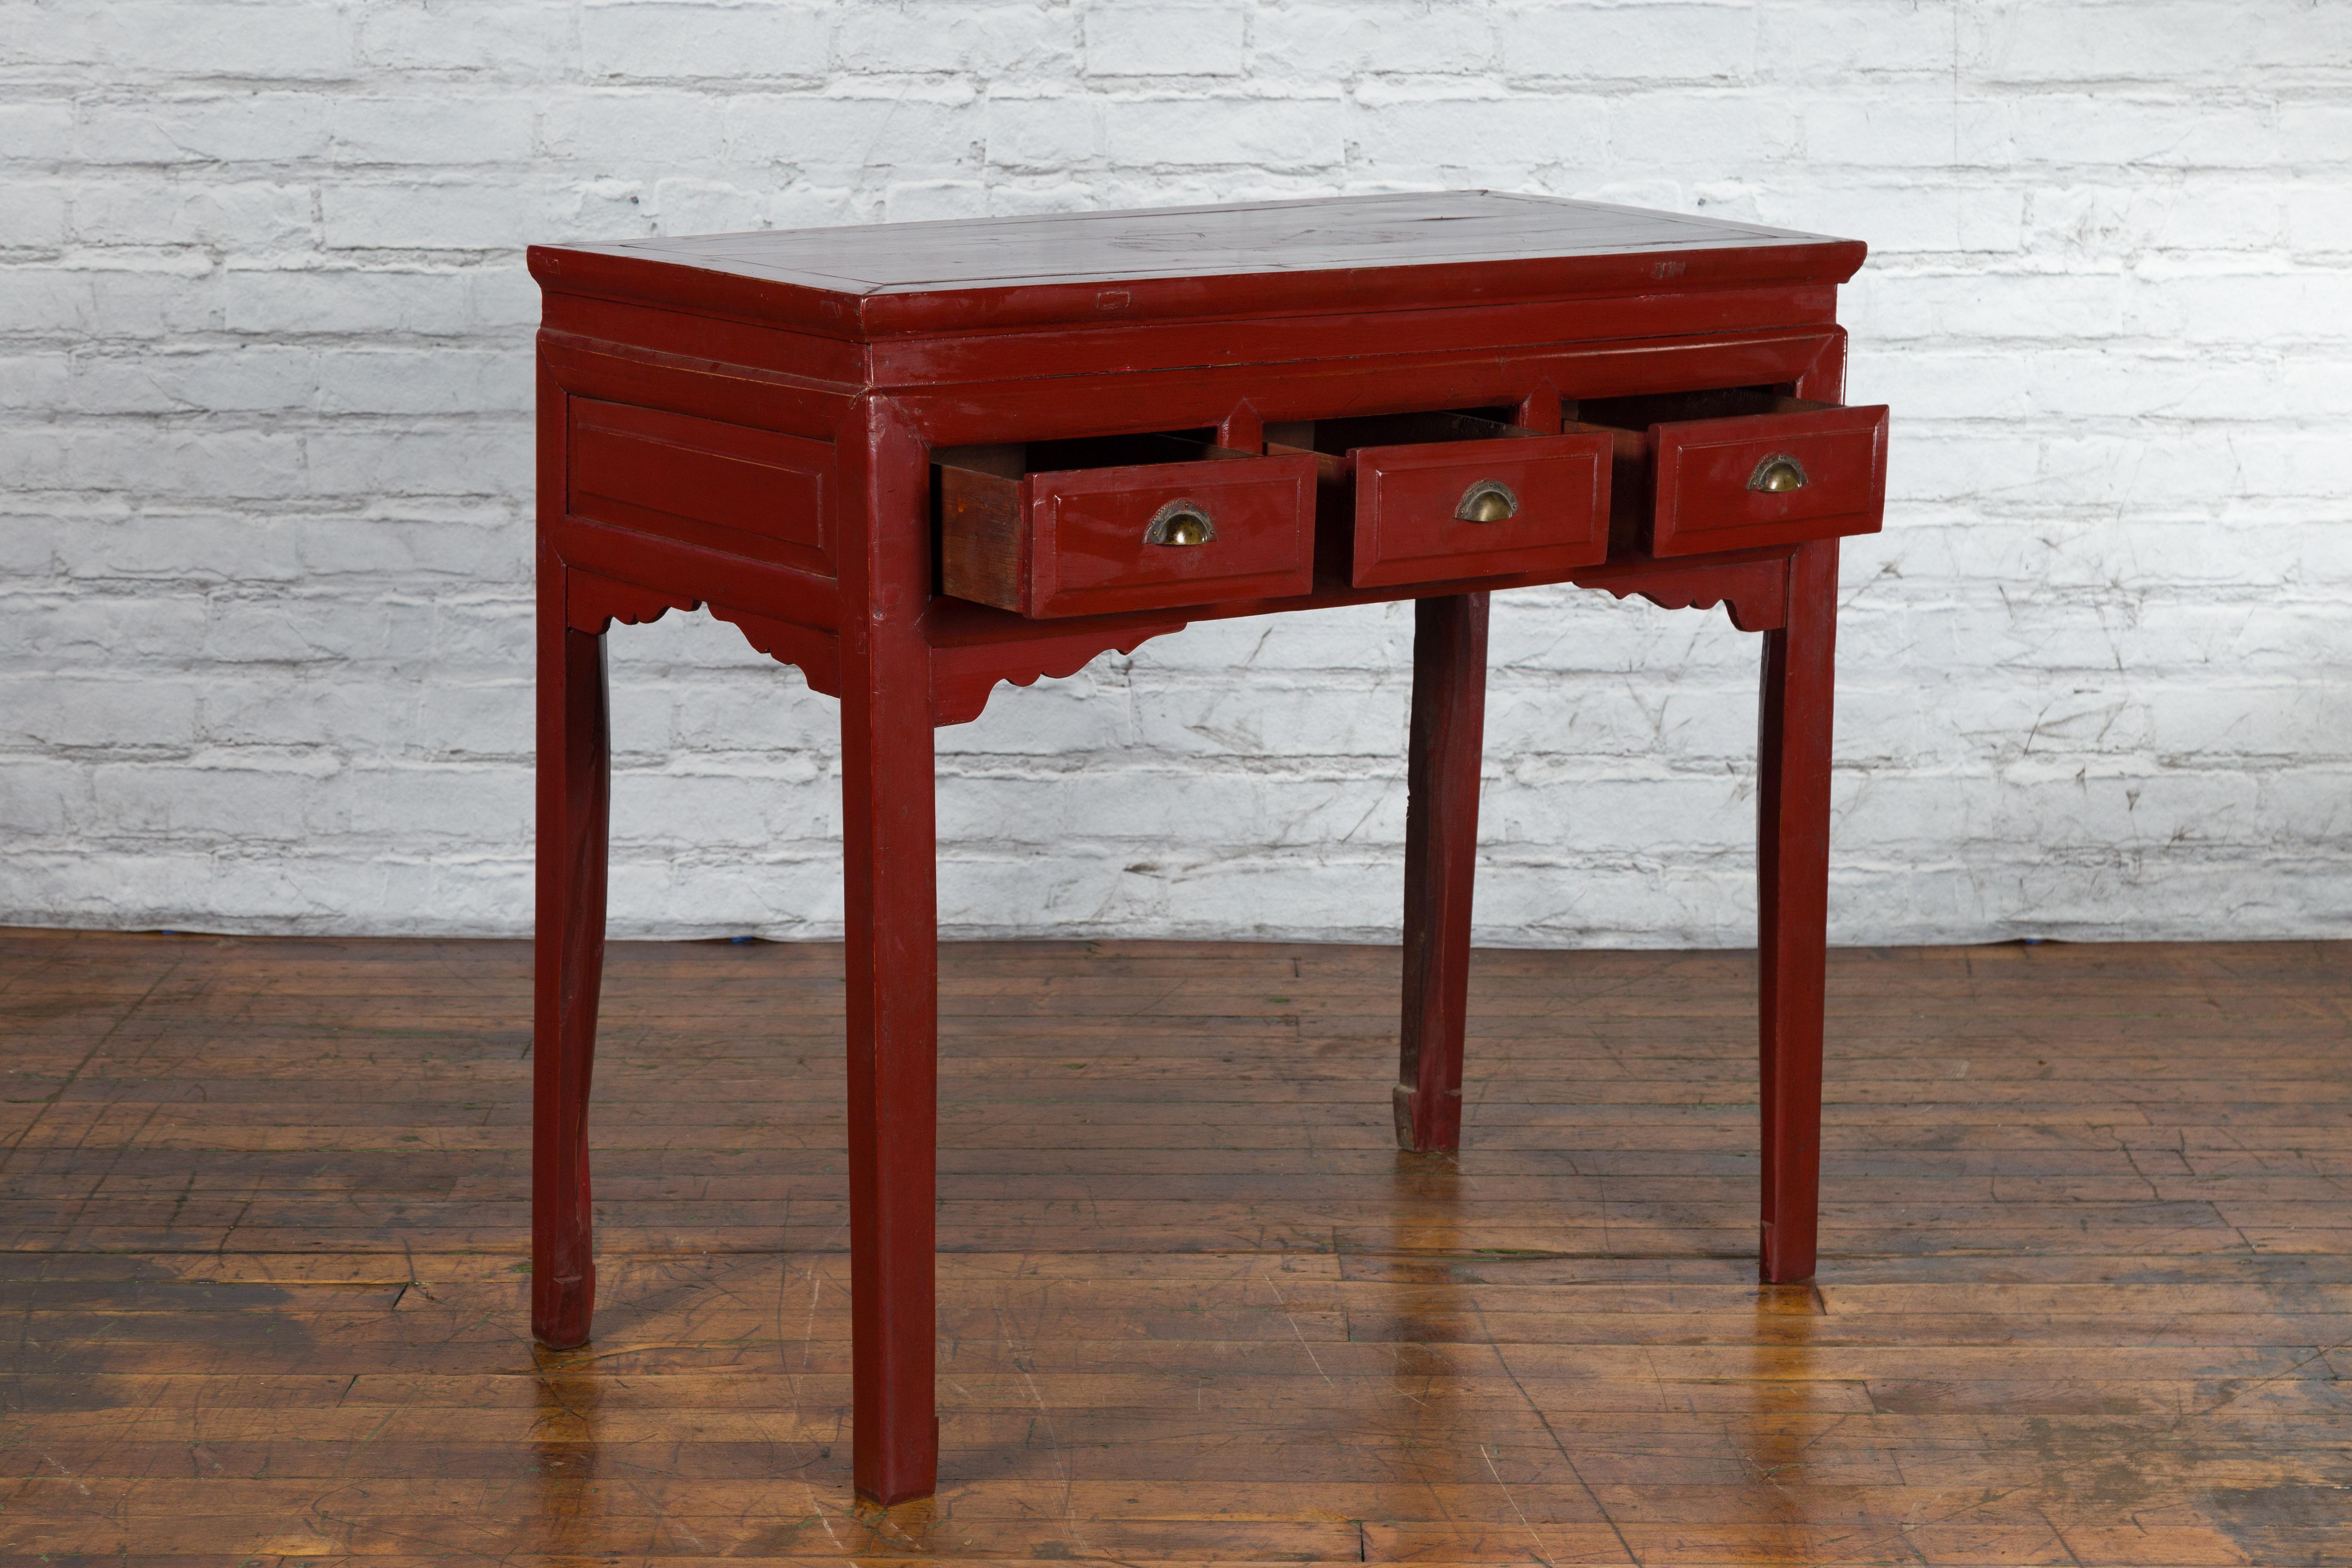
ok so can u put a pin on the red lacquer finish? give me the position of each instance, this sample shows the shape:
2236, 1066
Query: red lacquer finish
1444, 744
574, 797
1387, 253
1409, 502
892, 918
732, 487
1710, 485
1089, 550
915, 460
1792, 868
574, 803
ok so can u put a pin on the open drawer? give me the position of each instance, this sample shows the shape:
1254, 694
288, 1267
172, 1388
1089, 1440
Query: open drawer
1733, 470
1429, 498
1121, 522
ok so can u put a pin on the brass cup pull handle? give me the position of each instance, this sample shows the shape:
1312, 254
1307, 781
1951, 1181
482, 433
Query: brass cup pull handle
1488, 501
1180, 525
1777, 473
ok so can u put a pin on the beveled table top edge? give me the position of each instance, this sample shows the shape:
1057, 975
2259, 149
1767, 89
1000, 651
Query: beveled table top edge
1367, 232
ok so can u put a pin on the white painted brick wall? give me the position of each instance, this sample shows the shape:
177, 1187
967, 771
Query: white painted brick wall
264, 565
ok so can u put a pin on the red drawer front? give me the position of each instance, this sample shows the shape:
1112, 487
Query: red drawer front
1088, 552
1408, 499
729, 487
1711, 479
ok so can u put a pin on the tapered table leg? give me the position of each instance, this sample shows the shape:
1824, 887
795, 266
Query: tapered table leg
568, 964
1441, 851
889, 847
1792, 866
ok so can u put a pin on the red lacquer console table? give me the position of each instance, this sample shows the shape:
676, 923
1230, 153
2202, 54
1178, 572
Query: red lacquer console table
916, 460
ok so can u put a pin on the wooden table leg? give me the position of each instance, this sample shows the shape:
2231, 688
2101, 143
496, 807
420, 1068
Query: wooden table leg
1793, 868
888, 858
568, 964
1440, 852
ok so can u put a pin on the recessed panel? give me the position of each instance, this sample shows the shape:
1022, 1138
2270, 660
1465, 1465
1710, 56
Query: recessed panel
728, 487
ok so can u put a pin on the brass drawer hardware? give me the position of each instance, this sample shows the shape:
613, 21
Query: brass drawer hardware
1777, 473
1488, 501
1179, 525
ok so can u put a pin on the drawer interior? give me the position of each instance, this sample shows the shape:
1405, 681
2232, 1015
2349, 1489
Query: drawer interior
1673, 408
1012, 459
1334, 439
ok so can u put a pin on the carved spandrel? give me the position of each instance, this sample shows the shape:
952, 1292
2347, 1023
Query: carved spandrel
1754, 594
591, 604
964, 675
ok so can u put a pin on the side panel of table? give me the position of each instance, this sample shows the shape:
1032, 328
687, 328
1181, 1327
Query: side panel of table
661, 429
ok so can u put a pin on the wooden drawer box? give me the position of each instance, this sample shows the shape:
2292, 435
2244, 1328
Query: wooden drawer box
1733, 471
1124, 522
1433, 497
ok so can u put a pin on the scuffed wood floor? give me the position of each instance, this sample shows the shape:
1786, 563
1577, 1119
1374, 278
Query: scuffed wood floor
2086, 1295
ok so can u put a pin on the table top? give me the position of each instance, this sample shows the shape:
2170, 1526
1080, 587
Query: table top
1308, 235
1375, 252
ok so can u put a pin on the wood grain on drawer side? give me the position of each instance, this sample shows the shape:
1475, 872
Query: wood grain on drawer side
759, 493
1076, 542
1089, 554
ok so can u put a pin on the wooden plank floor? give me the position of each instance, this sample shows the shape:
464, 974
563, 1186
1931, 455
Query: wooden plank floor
2085, 1297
